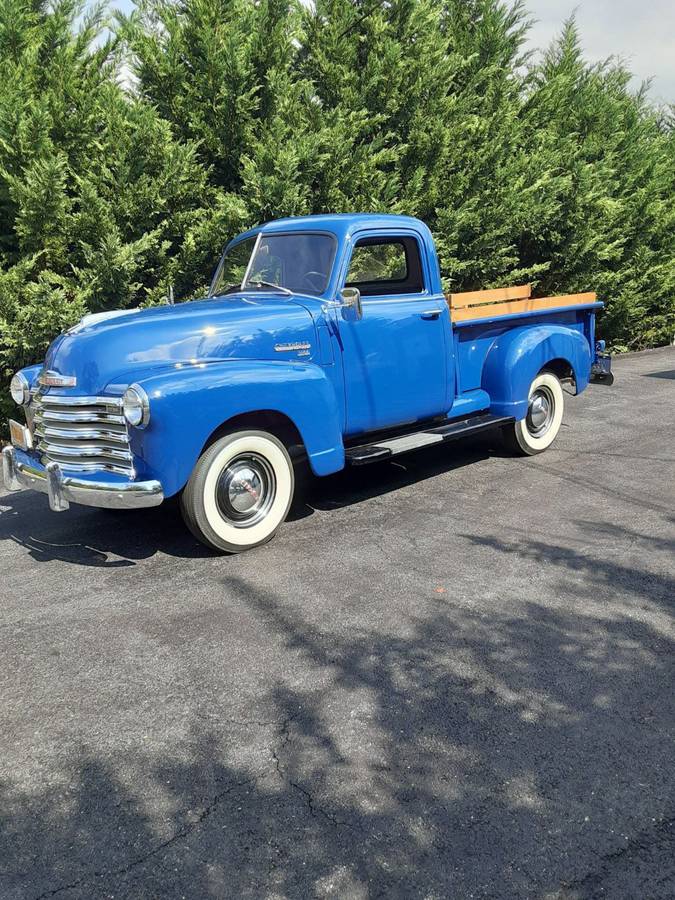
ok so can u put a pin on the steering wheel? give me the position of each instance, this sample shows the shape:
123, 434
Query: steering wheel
312, 275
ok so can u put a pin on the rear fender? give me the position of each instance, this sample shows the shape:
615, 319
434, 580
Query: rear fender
189, 402
518, 355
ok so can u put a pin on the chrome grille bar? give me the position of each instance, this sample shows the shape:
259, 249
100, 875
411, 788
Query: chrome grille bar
80, 433
85, 434
78, 450
81, 415
68, 402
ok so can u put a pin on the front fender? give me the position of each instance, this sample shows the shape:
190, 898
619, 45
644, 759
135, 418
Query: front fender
30, 373
190, 401
517, 356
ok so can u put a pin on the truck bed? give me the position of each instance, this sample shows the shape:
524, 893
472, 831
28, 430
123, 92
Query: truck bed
479, 317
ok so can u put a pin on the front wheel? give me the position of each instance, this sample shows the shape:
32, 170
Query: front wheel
239, 492
541, 425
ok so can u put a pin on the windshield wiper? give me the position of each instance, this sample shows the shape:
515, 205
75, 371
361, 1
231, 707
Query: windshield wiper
269, 284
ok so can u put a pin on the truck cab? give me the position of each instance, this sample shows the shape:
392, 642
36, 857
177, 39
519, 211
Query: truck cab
326, 338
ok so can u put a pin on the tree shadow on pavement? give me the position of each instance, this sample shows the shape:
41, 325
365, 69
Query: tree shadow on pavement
446, 753
354, 485
89, 537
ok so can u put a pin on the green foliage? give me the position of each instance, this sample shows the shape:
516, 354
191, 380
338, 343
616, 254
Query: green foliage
611, 225
128, 160
98, 198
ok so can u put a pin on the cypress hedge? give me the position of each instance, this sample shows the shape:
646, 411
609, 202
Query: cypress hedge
133, 147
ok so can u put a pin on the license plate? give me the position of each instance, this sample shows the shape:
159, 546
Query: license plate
20, 435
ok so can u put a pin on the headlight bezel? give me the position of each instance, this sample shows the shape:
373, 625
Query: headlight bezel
136, 406
19, 389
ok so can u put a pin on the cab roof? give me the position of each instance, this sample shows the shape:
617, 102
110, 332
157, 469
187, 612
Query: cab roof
339, 224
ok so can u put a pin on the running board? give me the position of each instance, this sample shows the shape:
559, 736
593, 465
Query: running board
376, 452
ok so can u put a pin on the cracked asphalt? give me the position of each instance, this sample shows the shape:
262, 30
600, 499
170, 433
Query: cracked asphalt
449, 676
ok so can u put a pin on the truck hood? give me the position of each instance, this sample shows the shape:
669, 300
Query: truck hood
112, 350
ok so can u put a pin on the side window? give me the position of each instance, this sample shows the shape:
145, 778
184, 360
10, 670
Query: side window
381, 266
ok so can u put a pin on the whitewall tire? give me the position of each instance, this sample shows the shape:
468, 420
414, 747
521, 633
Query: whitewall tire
239, 492
540, 427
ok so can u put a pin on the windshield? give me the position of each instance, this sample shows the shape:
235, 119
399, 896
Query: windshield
287, 263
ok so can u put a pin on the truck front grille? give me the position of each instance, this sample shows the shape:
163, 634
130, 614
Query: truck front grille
82, 433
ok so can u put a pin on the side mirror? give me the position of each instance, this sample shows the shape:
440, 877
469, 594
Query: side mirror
352, 309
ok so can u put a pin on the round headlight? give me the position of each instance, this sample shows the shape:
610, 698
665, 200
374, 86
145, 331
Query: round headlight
136, 406
19, 389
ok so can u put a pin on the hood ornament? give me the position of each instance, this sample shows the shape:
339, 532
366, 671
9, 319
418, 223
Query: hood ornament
47, 378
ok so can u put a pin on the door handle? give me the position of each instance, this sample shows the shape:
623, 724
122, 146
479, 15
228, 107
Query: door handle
431, 314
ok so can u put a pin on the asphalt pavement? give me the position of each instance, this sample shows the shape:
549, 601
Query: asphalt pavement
449, 676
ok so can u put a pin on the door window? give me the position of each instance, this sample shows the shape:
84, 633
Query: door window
384, 266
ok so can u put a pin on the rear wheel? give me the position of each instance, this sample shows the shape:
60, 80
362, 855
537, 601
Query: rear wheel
239, 492
537, 431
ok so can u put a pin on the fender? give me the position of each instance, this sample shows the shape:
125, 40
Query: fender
517, 356
190, 401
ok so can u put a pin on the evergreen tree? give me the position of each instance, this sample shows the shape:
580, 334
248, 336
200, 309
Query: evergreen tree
607, 157
223, 76
112, 190
482, 189
96, 195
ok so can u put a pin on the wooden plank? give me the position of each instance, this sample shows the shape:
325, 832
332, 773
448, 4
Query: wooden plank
496, 295
533, 304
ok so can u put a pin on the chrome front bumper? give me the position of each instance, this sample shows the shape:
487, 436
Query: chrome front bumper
21, 471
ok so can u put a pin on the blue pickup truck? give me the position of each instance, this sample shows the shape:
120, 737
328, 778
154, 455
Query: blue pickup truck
325, 339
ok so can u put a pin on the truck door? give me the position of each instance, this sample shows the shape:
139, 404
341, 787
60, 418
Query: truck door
394, 357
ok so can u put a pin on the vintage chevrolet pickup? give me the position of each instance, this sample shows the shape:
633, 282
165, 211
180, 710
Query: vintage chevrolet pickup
325, 339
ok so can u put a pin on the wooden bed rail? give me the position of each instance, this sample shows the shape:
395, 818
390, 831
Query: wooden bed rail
469, 305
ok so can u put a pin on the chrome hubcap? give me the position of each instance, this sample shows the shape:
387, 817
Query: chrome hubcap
540, 411
246, 490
